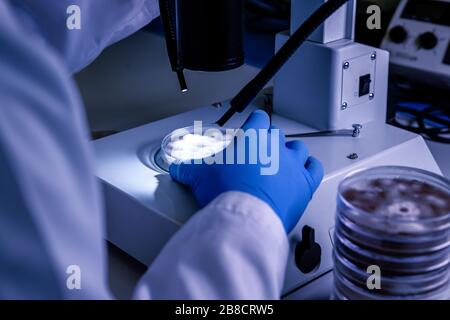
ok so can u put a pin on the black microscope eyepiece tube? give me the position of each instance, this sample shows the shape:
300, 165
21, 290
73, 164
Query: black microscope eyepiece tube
203, 35
210, 34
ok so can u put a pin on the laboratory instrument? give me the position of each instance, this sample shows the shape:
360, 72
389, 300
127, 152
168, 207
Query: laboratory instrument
330, 83
418, 39
203, 35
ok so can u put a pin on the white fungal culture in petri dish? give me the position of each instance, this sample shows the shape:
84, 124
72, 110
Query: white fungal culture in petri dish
192, 143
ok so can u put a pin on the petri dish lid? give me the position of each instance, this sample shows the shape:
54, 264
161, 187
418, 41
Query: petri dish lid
393, 284
412, 264
194, 143
393, 244
349, 291
396, 200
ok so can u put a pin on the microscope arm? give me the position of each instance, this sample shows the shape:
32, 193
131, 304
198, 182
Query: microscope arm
249, 92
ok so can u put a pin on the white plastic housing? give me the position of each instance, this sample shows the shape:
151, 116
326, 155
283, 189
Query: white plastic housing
145, 207
315, 88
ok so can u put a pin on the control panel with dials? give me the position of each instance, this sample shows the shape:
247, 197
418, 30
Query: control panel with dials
418, 39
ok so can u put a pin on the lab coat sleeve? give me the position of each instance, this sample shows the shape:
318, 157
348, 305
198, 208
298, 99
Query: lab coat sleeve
235, 248
101, 23
51, 213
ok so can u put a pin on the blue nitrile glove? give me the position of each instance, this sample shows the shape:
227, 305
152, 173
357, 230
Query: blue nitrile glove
288, 191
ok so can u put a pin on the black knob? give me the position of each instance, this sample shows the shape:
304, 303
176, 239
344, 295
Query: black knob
308, 252
427, 40
398, 34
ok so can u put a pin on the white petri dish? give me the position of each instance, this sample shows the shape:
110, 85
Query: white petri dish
192, 143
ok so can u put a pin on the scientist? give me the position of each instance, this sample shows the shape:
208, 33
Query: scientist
51, 213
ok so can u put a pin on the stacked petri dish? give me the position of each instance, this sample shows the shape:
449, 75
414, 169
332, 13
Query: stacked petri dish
392, 223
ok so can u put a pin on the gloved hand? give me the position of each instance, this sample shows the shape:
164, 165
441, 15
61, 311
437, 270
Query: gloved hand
288, 191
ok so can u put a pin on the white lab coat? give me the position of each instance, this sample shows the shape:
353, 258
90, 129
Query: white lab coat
51, 212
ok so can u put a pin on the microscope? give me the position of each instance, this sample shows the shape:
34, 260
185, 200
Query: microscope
331, 92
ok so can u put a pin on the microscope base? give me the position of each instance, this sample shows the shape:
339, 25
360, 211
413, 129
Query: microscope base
145, 207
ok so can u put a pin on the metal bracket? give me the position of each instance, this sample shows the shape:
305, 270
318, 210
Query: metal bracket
355, 132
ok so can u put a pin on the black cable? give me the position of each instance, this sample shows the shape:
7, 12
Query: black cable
435, 133
431, 122
250, 91
167, 9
